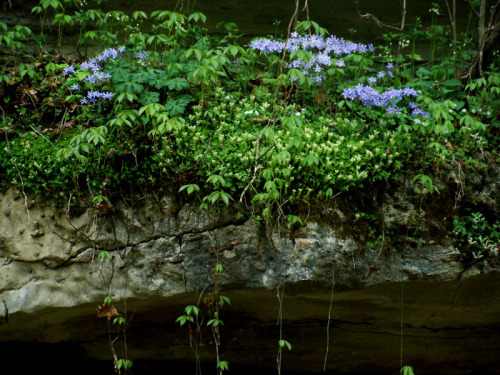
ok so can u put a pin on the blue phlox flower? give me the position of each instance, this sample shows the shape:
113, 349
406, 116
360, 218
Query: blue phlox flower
318, 79
106, 95
370, 97
267, 45
91, 79
110, 53
372, 80
416, 111
389, 66
90, 66
296, 64
322, 50
390, 74
381, 74
122, 49
84, 101
419, 112
92, 96
141, 55
408, 91
324, 59
68, 70
102, 76
74, 87
393, 110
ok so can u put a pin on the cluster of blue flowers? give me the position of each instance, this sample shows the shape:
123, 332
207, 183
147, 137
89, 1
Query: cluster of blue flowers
322, 50
94, 67
93, 96
370, 97
141, 55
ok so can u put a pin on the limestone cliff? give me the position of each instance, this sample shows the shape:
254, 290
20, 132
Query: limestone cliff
364, 305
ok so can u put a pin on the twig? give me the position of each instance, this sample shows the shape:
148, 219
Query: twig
369, 16
402, 27
40, 134
329, 319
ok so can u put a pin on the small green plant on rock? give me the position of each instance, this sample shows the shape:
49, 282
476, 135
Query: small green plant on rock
407, 370
477, 238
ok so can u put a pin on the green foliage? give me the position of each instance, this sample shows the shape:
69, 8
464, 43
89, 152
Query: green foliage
283, 343
407, 370
215, 321
103, 254
120, 320
476, 237
219, 123
123, 363
205, 117
191, 312
426, 183
36, 160
222, 365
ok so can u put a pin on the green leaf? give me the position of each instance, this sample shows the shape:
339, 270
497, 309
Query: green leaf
190, 188
223, 300
177, 84
452, 82
139, 14
407, 370
223, 365
192, 309
292, 219
197, 16
283, 343
149, 97
103, 254
177, 106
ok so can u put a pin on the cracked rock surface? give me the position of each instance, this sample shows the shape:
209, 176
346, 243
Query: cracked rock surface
358, 303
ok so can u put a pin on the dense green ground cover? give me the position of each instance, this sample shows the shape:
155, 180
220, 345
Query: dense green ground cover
279, 123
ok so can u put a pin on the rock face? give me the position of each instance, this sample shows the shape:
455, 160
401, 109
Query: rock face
364, 308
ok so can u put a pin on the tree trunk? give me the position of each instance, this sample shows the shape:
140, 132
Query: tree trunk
482, 21
489, 45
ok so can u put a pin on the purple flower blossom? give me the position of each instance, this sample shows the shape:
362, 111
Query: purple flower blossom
122, 49
94, 96
318, 79
91, 79
381, 74
393, 110
372, 80
267, 45
90, 66
106, 95
74, 87
324, 59
370, 97
389, 66
322, 50
141, 55
68, 70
